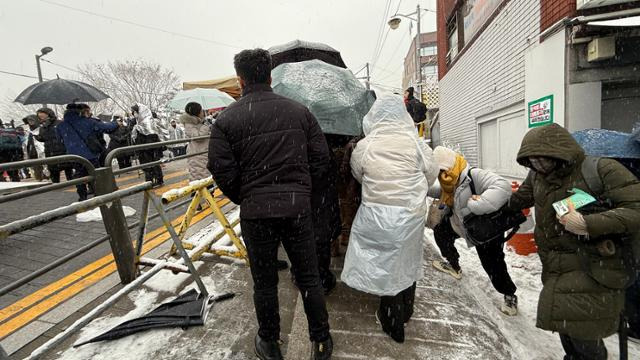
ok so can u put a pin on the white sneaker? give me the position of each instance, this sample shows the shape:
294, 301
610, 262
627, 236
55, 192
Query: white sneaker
446, 268
510, 306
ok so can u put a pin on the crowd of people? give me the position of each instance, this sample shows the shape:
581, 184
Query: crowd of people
78, 132
311, 192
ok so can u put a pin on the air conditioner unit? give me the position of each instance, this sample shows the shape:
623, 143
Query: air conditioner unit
587, 4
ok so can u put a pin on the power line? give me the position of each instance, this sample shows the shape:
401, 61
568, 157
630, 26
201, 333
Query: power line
375, 61
359, 71
63, 66
148, 27
381, 29
398, 8
397, 47
16, 74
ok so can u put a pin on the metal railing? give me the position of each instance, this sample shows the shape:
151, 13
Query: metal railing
118, 231
47, 188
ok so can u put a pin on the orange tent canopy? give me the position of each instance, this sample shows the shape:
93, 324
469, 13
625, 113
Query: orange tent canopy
227, 84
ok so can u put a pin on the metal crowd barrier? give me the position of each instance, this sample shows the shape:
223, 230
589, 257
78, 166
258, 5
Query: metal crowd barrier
106, 191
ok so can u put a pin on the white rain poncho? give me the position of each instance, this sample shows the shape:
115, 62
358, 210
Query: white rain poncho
147, 125
395, 168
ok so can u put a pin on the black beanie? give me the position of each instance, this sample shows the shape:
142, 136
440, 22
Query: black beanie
193, 109
410, 90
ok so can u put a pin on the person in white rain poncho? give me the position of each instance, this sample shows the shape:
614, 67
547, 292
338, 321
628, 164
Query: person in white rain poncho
149, 129
395, 169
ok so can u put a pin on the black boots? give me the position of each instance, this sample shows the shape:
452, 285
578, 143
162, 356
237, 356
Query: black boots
322, 350
267, 350
270, 350
392, 326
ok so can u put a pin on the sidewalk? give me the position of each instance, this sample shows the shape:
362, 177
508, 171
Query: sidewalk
448, 322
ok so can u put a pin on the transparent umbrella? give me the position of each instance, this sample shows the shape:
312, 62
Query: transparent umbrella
208, 98
333, 95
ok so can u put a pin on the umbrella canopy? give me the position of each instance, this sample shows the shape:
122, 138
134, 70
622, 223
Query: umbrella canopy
208, 98
608, 143
188, 309
333, 95
227, 84
60, 91
298, 50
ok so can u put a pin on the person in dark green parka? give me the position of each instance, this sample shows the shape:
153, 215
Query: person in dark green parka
583, 280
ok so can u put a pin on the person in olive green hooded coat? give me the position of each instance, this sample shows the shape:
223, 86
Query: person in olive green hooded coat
573, 303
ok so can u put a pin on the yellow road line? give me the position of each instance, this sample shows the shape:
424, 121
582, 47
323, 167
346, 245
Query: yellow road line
72, 284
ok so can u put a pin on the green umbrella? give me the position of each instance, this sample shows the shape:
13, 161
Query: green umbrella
208, 98
332, 94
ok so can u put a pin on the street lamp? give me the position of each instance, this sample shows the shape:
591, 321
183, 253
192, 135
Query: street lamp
44, 51
394, 23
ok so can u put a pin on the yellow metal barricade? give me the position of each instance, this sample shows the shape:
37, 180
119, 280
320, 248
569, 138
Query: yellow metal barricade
200, 191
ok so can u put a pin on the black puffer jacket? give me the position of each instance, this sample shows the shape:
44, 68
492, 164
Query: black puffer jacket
265, 152
119, 138
52, 144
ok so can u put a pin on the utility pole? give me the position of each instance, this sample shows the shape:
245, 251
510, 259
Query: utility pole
418, 62
44, 51
368, 78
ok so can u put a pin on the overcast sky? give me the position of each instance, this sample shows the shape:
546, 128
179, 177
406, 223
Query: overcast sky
80, 31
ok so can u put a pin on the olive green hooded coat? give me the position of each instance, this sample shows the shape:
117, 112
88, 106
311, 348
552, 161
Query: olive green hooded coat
583, 292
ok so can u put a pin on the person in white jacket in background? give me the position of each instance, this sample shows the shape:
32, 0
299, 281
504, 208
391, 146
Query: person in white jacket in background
385, 253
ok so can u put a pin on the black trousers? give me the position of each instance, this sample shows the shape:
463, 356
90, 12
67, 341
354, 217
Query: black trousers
11, 156
124, 162
491, 257
583, 349
632, 309
397, 310
262, 238
80, 171
54, 172
153, 173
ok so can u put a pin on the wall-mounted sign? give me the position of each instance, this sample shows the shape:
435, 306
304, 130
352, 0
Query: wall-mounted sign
541, 111
475, 14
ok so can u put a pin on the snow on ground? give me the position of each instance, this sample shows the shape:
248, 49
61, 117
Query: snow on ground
95, 215
139, 346
146, 345
526, 340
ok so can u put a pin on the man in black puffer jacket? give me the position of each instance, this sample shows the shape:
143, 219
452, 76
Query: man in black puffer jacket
52, 144
265, 153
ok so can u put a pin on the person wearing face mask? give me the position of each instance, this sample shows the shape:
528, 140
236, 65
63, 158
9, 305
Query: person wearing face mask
195, 125
582, 281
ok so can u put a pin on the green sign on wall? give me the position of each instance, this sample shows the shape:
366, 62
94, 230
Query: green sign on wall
541, 112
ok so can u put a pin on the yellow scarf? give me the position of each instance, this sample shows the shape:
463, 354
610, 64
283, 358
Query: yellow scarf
449, 180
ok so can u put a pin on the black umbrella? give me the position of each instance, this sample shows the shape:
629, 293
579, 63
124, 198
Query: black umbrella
298, 50
60, 91
188, 309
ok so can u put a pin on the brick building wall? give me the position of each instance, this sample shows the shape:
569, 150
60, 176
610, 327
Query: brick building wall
488, 75
552, 11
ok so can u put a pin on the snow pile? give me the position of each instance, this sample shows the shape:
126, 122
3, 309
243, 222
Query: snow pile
526, 340
95, 215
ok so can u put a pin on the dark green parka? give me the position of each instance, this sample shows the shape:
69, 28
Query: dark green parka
582, 294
